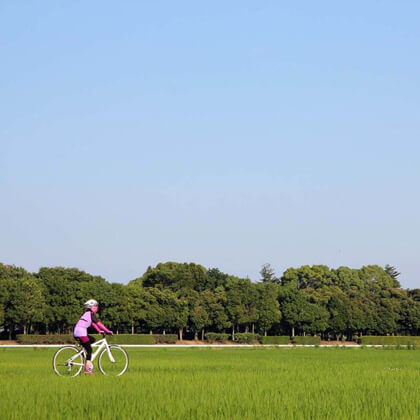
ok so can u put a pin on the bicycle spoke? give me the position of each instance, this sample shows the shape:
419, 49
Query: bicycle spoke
68, 361
116, 367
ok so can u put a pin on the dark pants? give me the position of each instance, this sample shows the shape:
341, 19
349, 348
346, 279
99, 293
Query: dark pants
86, 344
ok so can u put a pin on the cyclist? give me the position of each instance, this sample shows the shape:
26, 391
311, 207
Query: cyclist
89, 319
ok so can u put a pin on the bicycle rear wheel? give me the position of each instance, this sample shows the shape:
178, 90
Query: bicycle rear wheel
116, 367
68, 361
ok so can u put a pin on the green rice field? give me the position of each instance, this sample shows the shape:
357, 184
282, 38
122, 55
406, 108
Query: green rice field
247, 383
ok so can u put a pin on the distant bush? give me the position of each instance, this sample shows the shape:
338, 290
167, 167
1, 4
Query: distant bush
165, 338
275, 339
390, 340
307, 339
246, 338
45, 339
214, 337
128, 338
69, 339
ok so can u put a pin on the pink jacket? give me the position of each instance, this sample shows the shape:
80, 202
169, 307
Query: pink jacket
88, 319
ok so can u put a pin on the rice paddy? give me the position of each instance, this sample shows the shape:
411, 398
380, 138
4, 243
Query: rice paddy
260, 383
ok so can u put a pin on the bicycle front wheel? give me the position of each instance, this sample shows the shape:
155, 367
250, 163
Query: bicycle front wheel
115, 367
68, 361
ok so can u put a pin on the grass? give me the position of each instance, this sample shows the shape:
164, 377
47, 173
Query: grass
265, 383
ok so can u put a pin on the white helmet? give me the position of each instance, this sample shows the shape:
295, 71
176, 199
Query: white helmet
90, 303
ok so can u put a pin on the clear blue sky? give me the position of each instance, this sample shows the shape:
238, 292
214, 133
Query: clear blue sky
229, 134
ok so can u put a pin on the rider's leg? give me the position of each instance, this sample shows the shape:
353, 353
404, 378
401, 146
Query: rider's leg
86, 344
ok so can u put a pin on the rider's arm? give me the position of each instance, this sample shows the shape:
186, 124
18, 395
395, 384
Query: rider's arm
98, 325
102, 326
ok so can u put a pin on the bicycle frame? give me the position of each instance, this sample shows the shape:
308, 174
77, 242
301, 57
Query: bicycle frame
100, 344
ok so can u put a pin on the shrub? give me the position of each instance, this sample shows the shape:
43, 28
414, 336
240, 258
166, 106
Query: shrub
275, 339
307, 339
221, 337
246, 338
389, 340
68, 338
45, 339
165, 338
128, 338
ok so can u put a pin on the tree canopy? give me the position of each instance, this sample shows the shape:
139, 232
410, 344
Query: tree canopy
190, 300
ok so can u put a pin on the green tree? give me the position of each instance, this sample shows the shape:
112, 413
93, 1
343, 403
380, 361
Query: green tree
27, 304
348, 279
176, 276
392, 272
4, 297
376, 278
164, 310
216, 280
199, 317
291, 302
66, 289
235, 306
268, 306
154, 310
314, 277
116, 307
216, 303
138, 304
268, 275
414, 294
338, 307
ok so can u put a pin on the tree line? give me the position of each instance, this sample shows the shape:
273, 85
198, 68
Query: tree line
188, 299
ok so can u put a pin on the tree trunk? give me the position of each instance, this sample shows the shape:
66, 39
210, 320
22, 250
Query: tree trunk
195, 335
202, 334
247, 329
132, 328
253, 329
180, 333
293, 331
304, 333
265, 333
164, 332
233, 332
151, 332
24, 329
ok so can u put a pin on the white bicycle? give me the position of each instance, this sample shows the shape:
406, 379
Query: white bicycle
69, 361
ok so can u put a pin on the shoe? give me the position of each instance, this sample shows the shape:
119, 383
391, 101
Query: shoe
89, 372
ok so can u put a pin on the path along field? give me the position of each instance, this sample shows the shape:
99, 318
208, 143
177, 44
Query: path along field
261, 383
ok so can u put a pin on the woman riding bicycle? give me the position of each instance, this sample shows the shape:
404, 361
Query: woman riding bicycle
89, 319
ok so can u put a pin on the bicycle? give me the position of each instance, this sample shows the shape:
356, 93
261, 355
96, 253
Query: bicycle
70, 360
